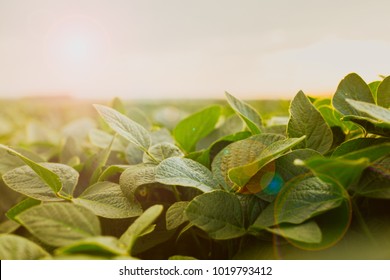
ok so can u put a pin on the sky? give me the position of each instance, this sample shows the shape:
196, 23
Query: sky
152, 49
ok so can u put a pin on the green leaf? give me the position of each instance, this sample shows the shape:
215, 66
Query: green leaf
307, 232
374, 88
218, 213
374, 182
107, 200
233, 156
95, 245
128, 129
344, 171
111, 171
140, 226
59, 224
377, 112
372, 153
354, 145
370, 125
246, 113
102, 139
383, 93
175, 215
283, 170
185, 172
299, 200
242, 174
8, 161
13, 247
25, 180
306, 120
20, 207
351, 87
162, 151
196, 126
48, 176
134, 177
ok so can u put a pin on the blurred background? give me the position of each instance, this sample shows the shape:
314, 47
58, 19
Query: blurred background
174, 49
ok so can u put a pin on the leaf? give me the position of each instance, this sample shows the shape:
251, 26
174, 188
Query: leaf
383, 93
283, 171
242, 174
344, 171
102, 139
232, 156
306, 120
185, 172
162, 151
20, 207
246, 113
135, 176
59, 224
218, 213
24, 180
140, 226
48, 176
372, 153
14, 247
370, 125
301, 199
111, 171
354, 145
8, 161
378, 113
95, 245
375, 182
107, 200
175, 215
374, 88
128, 129
351, 87
196, 126
307, 232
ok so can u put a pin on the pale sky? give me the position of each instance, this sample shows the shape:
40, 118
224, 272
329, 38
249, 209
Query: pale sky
189, 49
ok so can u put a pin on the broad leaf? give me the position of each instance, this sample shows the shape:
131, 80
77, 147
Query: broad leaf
344, 171
376, 112
242, 174
134, 177
185, 172
48, 176
175, 215
127, 128
95, 245
233, 156
26, 181
374, 182
107, 200
370, 125
196, 126
383, 93
357, 144
59, 224
140, 226
307, 232
305, 120
301, 199
351, 87
102, 139
246, 112
218, 213
162, 151
20, 207
13, 247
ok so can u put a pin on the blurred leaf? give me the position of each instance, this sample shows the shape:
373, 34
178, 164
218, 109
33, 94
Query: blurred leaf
246, 112
13, 247
196, 126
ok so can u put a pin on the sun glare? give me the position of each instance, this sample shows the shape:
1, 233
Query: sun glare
76, 44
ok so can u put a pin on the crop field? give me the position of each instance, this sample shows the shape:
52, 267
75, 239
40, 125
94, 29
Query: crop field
307, 178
